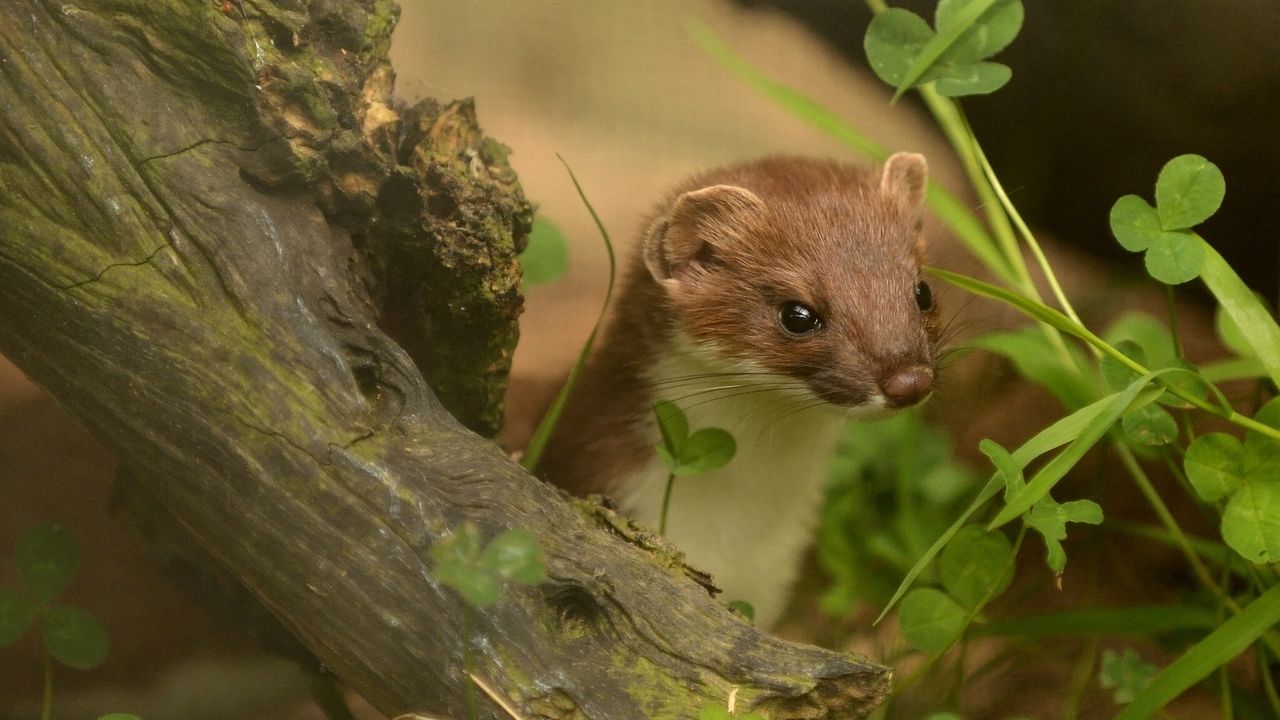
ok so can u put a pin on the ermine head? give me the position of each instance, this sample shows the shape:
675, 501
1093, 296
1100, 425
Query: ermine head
808, 269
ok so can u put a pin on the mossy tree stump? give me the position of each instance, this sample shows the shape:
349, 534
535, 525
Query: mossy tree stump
286, 303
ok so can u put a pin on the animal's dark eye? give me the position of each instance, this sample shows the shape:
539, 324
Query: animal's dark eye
798, 318
924, 296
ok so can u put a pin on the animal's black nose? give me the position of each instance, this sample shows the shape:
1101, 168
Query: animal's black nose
907, 386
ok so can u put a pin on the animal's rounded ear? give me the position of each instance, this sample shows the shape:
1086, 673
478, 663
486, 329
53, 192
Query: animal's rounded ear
905, 178
699, 222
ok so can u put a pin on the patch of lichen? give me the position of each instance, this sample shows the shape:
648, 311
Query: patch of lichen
451, 219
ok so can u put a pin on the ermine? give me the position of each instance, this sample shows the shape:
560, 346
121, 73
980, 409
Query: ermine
775, 299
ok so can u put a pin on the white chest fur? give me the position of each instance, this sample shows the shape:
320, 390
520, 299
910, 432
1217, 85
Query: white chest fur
746, 523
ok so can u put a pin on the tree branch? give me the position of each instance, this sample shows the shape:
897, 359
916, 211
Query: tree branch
203, 218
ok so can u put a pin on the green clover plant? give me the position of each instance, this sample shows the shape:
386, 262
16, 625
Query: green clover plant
48, 558
687, 454
1129, 391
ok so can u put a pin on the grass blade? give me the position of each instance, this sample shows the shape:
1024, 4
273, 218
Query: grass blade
1056, 435
1238, 301
1115, 406
538, 443
1219, 648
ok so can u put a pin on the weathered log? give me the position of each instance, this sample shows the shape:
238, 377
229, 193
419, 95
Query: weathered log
206, 209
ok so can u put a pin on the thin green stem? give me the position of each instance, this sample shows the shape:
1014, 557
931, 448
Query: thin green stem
666, 503
1027, 237
1179, 539
1170, 524
46, 708
1171, 305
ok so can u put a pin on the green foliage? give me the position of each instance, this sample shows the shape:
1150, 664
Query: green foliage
1215, 650
542, 433
745, 609
683, 453
1129, 396
1247, 475
905, 52
74, 637
476, 572
894, 484
690, 454
119, 716
1188, 191
1125, 674
47, 558
546, 257
931, 619
976, 566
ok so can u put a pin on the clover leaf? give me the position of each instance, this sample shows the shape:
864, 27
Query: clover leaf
476, 573
905, 52
1189, 190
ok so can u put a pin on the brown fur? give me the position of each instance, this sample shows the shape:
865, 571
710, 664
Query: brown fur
721, 253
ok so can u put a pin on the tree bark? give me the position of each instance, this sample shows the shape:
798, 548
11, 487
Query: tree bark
227, 251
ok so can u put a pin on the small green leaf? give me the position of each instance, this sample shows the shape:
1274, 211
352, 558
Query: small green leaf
1050, 519
1126, 674
1261, 455
74, 637
47, 558
1150, 425
930, 619
119, 716
1116, 374
1213, 465
893, 40
515, 555
980, 78
1175, 258
456, 564
976, 565
17, 615
546, 256
943, 716
1251, 521
705, 450
1008, 469
1134, 223
1188, 191
477, 586
668, 459
463, 546
673, 425
745, 609
1149, 332
988, 35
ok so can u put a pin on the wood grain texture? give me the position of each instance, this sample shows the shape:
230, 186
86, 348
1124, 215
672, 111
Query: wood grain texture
227, 252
